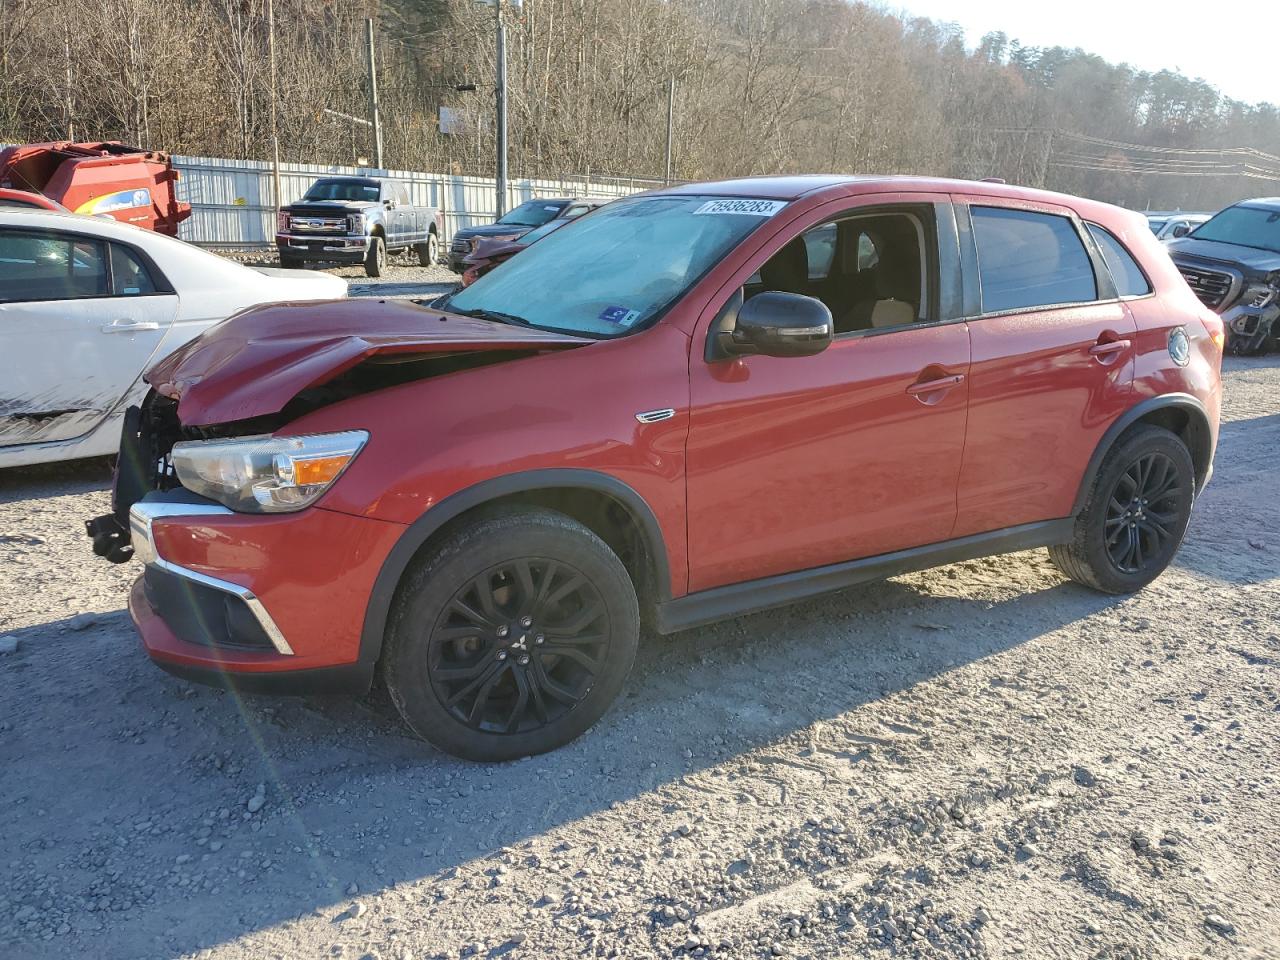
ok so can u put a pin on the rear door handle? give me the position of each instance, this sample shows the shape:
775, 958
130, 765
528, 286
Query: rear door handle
129, 326
1107, 352
935, 386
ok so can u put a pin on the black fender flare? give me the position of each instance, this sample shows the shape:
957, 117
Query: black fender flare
1181, 401
378, 609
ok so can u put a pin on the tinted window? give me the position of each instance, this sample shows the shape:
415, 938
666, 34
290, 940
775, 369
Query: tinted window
129, 275
1128, 276
1030, 260
402, 193
9, 202
47, 266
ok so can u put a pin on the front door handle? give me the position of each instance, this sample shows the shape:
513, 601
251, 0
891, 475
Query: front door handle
1107, 351
930, 392
129, 326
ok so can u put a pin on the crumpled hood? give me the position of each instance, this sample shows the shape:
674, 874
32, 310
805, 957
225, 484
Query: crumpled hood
254, 363
1250, 258
493, 230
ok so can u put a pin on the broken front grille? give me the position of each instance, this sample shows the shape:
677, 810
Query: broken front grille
1213, 287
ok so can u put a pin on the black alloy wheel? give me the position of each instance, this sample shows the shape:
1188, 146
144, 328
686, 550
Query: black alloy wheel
511, 636
520, 646
1136, 513
1142, 513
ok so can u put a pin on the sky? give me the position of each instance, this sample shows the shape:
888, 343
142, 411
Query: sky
1206, 40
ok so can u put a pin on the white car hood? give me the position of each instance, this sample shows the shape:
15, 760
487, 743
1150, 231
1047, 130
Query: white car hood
302, 284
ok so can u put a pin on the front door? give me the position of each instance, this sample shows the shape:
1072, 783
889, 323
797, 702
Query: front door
795, 463
79, 319
1052, 365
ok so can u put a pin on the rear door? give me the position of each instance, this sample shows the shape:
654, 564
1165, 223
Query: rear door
1052, 362
80, 318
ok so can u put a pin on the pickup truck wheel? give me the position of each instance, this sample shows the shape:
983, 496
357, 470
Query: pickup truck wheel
1136, 514
429, 251
375, 261
512, 637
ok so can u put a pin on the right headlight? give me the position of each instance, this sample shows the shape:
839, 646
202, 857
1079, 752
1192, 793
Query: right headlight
355, 223
265, 474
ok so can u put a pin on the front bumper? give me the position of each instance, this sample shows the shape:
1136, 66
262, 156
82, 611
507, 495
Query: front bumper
310, 247
1245, 320
265, 603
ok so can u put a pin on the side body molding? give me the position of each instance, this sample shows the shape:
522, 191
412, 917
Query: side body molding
421, 530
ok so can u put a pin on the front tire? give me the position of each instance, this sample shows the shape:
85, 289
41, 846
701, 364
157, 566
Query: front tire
375, 260
1136, 515
429, 251
512, 637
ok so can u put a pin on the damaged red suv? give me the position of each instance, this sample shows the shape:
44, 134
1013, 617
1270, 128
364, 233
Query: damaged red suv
750, 393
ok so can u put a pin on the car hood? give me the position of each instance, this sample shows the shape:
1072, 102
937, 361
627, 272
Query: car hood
254, 363
322, 207
493, 230
1250, 258
494, 249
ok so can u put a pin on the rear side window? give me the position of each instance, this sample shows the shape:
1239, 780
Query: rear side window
129, 275
50, 266
1028, 259
1128, 276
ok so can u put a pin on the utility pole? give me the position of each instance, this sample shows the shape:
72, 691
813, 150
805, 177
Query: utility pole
275, 132
373, 97
671, 115
501, 177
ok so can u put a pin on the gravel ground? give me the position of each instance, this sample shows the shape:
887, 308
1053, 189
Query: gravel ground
979, 761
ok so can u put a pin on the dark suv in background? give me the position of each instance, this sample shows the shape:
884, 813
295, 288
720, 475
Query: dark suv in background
516, 223
1232, 262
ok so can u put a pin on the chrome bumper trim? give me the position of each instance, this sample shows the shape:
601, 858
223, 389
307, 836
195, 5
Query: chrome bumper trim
141, 516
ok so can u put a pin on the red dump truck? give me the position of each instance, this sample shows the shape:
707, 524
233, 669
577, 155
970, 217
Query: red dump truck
126, 183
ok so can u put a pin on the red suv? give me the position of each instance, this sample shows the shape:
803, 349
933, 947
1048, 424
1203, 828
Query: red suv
748, 393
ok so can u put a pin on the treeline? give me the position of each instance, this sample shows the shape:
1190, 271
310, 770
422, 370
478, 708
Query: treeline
762, 86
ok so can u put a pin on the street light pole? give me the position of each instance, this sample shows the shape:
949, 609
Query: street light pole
501, 171
671, 114
275, 131
373, 98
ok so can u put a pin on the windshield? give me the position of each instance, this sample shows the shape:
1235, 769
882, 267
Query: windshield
1246, 226
342, 190
619, 268
534, 213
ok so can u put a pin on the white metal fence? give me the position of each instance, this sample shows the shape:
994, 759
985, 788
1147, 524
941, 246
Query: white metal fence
231, 200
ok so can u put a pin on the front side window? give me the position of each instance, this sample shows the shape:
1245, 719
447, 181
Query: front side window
617, 270
532, 213
343, 190
1129, 279
50, 266
1257, 227
1028, 259
870, 270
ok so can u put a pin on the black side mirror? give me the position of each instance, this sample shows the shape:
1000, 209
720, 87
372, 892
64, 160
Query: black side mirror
1181, 230
774, 324
389, 203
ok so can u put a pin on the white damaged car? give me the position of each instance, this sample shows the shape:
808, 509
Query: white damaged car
88, 304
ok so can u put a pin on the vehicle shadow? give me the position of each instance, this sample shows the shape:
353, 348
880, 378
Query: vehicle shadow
44, 480
151, 772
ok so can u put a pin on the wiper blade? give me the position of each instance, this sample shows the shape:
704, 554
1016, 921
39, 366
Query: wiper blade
496, 315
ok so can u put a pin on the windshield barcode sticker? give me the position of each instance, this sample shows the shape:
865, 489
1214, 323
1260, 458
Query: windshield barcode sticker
750, 208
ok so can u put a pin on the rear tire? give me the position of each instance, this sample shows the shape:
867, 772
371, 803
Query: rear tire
1136, 515
375, 261
429, 251
512, 637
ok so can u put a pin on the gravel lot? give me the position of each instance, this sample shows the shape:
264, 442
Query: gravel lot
981, 760
402, 278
